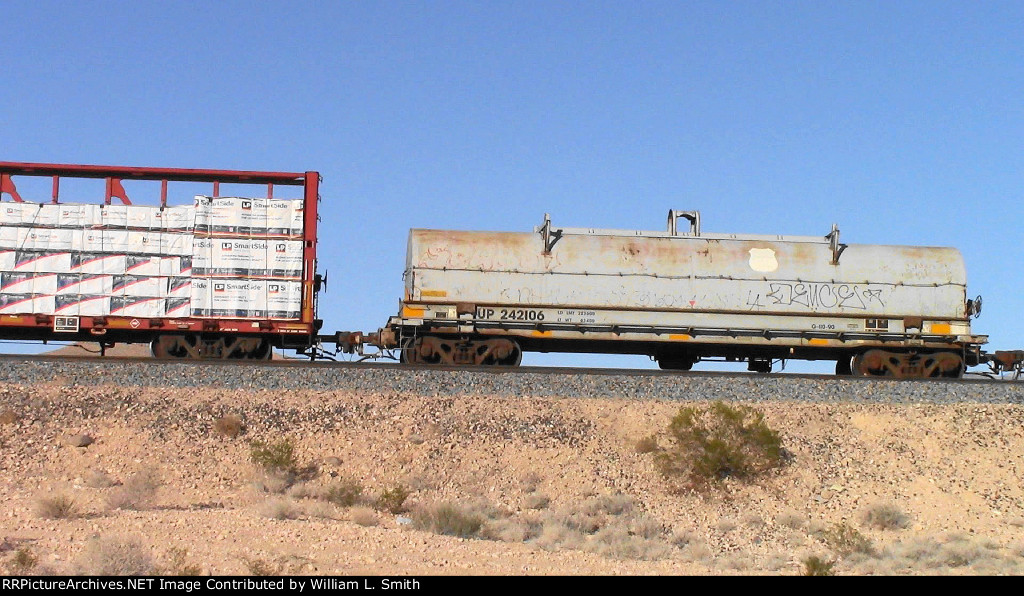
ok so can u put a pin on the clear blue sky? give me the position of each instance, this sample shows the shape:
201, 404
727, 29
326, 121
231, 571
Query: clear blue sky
901, 121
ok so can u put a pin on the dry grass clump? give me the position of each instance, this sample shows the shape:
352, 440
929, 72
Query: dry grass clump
98, 479
392, 499
58, 506
114, 556
885, 516
791, 520
608, 525
954, 552
364, 516
648, 444
448, 519
617, 541
137, 493
530, 482
22, 562
724, 526
178, 565
229, 426
262, 567
716, 442
276, 508
511, 529
536, 501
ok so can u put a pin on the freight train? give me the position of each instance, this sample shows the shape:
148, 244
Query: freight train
230, 277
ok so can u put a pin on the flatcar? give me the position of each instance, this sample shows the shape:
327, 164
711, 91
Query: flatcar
217, 277
681, 296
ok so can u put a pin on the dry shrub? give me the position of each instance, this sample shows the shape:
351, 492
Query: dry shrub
278, 509
510, 530
137, 493
114, 556
648, 444
885, 516
22, 562
618, 542
274, 484
363, 516
530, 482
608, 525
698, 551
98, 479
229, 426
791, 520
58, 506
448, 519
261, 567
717, 442
953, 552
556, 536
345, 492
594, 513
320, 509
725, 526
682, 537
536, 501
816, 566
178, 565
393, 499
844, 540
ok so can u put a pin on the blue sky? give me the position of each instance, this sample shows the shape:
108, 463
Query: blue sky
900, 121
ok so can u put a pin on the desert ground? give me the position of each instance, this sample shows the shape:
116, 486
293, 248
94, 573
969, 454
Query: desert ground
107, 479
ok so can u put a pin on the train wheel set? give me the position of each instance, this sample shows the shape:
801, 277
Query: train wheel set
235, 277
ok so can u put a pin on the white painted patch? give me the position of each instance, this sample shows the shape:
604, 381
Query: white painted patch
763, 260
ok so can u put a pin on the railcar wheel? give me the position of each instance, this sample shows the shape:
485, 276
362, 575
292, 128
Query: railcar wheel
844, 366
881, 363
176, 346
452, 352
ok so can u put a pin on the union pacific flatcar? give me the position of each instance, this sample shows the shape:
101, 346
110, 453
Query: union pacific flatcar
681, 296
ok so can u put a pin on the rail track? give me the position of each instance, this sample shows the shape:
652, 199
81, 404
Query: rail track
301, 363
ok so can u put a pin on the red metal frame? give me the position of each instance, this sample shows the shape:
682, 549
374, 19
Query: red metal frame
124, 328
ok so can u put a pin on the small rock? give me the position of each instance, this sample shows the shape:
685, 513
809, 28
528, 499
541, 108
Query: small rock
403, 521
332, 461
9, 416
80, 440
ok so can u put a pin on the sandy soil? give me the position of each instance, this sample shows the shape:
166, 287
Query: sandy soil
559, 482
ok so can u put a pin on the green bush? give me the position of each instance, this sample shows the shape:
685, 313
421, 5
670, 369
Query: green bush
344, 492
717, 442
276, 458
816, 566
393, 499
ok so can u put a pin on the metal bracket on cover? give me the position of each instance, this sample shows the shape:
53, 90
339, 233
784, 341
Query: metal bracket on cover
833, 243
692, 216
549, 235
